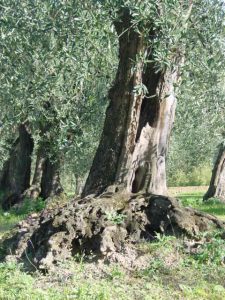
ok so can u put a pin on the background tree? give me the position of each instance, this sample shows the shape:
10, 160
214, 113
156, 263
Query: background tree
200, 110
216, 188
50, 55
15, 177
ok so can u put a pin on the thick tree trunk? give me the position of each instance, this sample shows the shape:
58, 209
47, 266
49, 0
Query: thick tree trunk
217, 184
50, 181
134, 141
121, 109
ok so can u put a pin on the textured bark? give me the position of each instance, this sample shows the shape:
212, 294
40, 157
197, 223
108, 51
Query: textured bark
132, 151
106, 227
122, 100
17, 169
217, 184
50, 181
144, 168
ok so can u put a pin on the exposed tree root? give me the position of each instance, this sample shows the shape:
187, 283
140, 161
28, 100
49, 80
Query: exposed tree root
103, 226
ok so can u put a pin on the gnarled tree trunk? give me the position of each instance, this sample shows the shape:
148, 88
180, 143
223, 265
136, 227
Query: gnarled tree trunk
217, 184
143, 165
17, 170
121, 108
134, 141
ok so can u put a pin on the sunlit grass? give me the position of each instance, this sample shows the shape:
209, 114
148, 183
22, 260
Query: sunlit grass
212, 206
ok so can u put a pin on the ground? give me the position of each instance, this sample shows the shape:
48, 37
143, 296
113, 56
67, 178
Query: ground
173, 268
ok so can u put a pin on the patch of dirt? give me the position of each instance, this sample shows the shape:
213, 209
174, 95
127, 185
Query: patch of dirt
175, 191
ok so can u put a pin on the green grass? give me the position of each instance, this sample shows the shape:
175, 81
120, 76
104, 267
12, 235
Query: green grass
10, 218
168, 272
212, 206
8, 221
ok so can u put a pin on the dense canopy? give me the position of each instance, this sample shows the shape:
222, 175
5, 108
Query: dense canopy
58, 60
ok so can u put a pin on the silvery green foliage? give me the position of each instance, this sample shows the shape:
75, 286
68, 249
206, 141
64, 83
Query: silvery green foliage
61, 53
65, 52
200, 113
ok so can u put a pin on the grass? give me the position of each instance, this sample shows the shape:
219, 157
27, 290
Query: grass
10, 218
169, 271
212, 206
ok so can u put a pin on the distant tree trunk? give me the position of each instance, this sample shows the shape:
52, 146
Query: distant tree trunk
46, 180
50, 181
134, 142
217, 184
34, 190
17, 170
5, 169
79, 184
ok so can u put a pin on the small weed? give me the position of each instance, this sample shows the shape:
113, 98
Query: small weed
117, 273
115, 217
156, 267
211, 252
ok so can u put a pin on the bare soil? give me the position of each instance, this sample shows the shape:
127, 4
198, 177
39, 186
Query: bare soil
175, 191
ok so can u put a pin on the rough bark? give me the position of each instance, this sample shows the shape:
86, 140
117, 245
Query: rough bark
134, 142
144, 168
17, 169
106, 227
122, 99
217, 184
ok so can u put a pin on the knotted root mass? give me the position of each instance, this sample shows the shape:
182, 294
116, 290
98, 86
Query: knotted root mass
103, 226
